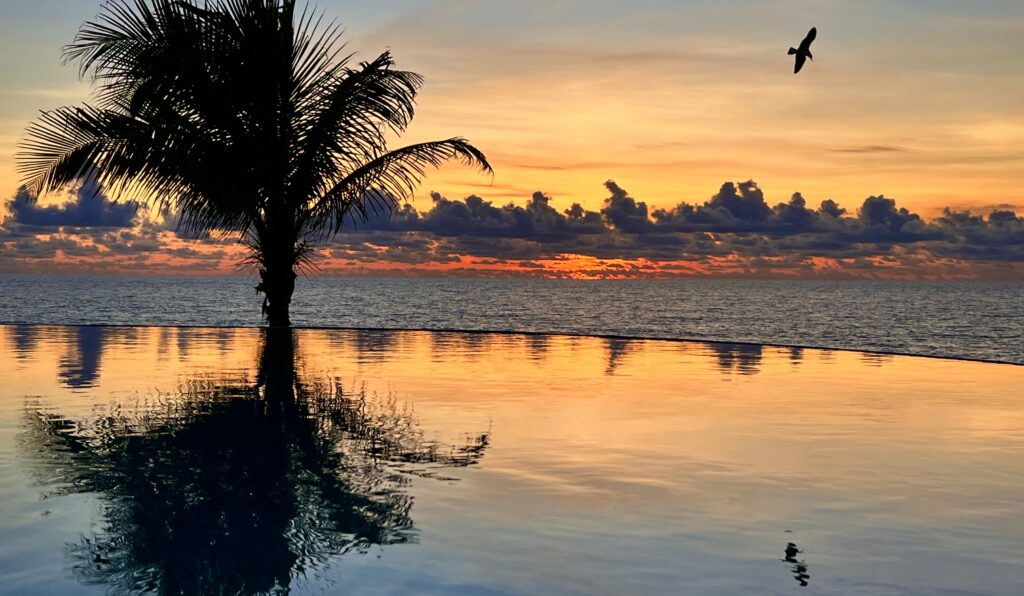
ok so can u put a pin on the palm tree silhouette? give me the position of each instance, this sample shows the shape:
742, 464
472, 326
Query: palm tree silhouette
236, 487
243, 116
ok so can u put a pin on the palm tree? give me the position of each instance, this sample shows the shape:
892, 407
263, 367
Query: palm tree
244, 116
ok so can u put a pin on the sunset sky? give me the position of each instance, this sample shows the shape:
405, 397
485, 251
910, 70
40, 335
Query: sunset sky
919, 101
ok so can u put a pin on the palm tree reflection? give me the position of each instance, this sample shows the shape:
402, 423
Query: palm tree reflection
238, 488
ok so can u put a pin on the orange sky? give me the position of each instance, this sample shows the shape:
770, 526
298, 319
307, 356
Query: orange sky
915, 100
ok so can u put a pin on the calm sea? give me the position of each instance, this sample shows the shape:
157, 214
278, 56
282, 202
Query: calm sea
958, 320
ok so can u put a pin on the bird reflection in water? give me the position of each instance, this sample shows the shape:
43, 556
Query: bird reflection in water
799, 566
239, 488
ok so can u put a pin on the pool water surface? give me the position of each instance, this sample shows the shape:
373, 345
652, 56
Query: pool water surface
190, 460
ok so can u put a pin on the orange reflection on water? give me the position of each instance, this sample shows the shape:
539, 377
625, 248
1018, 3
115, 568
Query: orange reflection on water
716, 454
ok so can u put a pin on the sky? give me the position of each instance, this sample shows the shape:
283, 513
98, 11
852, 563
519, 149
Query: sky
918, 101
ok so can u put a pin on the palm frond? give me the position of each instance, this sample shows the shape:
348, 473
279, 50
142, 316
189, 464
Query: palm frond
377, 186
343, 124
134, 158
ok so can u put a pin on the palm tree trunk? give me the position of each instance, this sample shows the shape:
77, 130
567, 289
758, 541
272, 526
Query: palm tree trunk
277, 257
278, 284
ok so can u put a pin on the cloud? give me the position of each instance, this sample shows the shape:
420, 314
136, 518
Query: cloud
882, 212
538, 221
736, 221
89, 207
870, 149
90, 232
734, 208
734, 232
624, 213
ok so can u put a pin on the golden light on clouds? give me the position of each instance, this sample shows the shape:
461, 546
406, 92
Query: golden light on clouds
672, 100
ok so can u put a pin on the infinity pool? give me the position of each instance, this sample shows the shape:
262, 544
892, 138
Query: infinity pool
239, 461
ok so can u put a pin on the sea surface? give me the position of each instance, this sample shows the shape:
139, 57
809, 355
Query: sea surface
241, 461
949, 319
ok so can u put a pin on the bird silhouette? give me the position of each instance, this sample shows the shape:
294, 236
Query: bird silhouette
804, 51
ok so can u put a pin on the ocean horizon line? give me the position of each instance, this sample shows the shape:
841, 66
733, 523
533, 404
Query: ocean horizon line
520, 278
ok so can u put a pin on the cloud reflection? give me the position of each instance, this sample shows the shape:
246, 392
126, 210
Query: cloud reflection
80, 368
24, 340
743, 359
618, 350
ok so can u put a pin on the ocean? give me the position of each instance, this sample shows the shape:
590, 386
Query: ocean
983, 321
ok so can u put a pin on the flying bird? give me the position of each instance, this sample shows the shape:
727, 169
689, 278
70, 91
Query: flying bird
804, 51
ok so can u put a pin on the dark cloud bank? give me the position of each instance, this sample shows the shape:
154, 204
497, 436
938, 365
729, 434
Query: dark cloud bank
736, 221
90, 224
89, 208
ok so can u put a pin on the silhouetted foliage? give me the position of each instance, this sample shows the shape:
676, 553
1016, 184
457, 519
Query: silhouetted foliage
236, 487
241, 115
